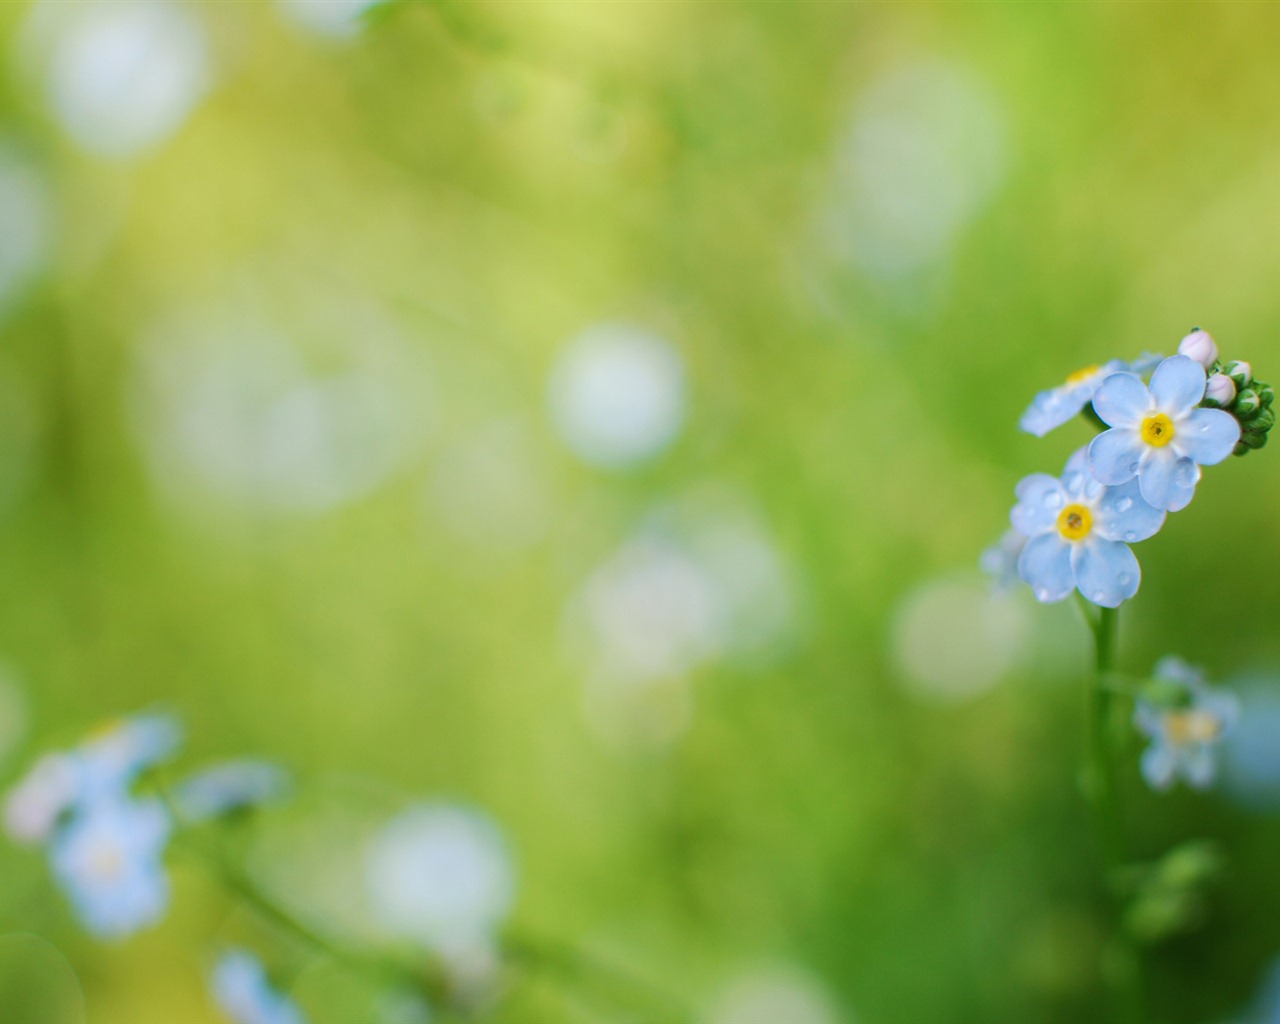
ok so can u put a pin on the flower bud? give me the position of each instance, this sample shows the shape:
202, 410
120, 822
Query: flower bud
1198, 345
1247, 404
1264, 421
1240, 372
1251, 439
1220, 390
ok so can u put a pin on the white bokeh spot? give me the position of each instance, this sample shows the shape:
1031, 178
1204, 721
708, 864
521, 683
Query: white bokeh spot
122, 76
333, 19
441, 875
923, 155
617, 395
954, 639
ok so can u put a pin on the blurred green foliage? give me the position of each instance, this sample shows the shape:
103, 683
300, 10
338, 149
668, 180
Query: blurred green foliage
468, 186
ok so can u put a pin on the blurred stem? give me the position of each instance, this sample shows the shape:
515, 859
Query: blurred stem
1124, 971
427, 979
619, 983
430, 978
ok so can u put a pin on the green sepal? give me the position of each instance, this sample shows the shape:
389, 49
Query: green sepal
1239, 373
1246, 405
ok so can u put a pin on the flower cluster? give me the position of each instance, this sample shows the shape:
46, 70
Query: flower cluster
1185, 721
244, 993
105, 835
1145, 463
439, 875
106, 844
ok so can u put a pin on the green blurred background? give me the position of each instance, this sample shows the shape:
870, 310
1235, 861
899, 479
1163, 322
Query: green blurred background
593, 413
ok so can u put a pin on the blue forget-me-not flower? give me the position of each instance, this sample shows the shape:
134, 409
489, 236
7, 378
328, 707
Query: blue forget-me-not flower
230, 787
105, 846
1056, 406
109, 861
1079, 533
1186, 730
110, 759
1159, 434
1000, 561
241, 987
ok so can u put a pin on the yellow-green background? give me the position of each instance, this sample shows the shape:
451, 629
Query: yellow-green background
499, 176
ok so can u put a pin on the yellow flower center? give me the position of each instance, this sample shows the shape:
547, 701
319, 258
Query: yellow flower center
106, 863
1182, 727
1082, 374
1075, 522
1157, 430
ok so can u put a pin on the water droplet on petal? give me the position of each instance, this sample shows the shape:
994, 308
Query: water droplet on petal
1124, 504
1130, 536
1124, 579
1042, 593
1099, 596
1133, 466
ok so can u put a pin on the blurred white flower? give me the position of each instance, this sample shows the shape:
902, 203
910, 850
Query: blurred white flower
652, 611
336, 19
775, 995
953, 639
226, 406
442, 875
700, 580
924, 153
120, 76
617, 395
34, 805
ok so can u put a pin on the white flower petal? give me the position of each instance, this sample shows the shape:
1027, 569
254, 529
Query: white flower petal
1177, 385
1123, 514
1158, 764
1122, 400
1115, 455
1106, 571
1198, 765
1167, 481
1052, 408
1207, 436
1045, 564
1040, 499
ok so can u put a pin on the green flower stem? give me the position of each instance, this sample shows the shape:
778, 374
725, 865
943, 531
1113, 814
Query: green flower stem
428, 977
1124, 969
609, 979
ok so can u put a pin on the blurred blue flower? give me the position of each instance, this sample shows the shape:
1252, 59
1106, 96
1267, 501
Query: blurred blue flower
35, 805
1159, 434
1079, 534
240, 986
1265, 1008
230, 787
102, 768
108, 859
1186, 731
110, 759
1000, 561
1250, 753
1054, 407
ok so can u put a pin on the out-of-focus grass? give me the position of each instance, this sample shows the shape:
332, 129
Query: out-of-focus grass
467, 187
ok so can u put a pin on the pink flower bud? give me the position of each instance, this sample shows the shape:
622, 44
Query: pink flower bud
1198, 345
1221, 390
